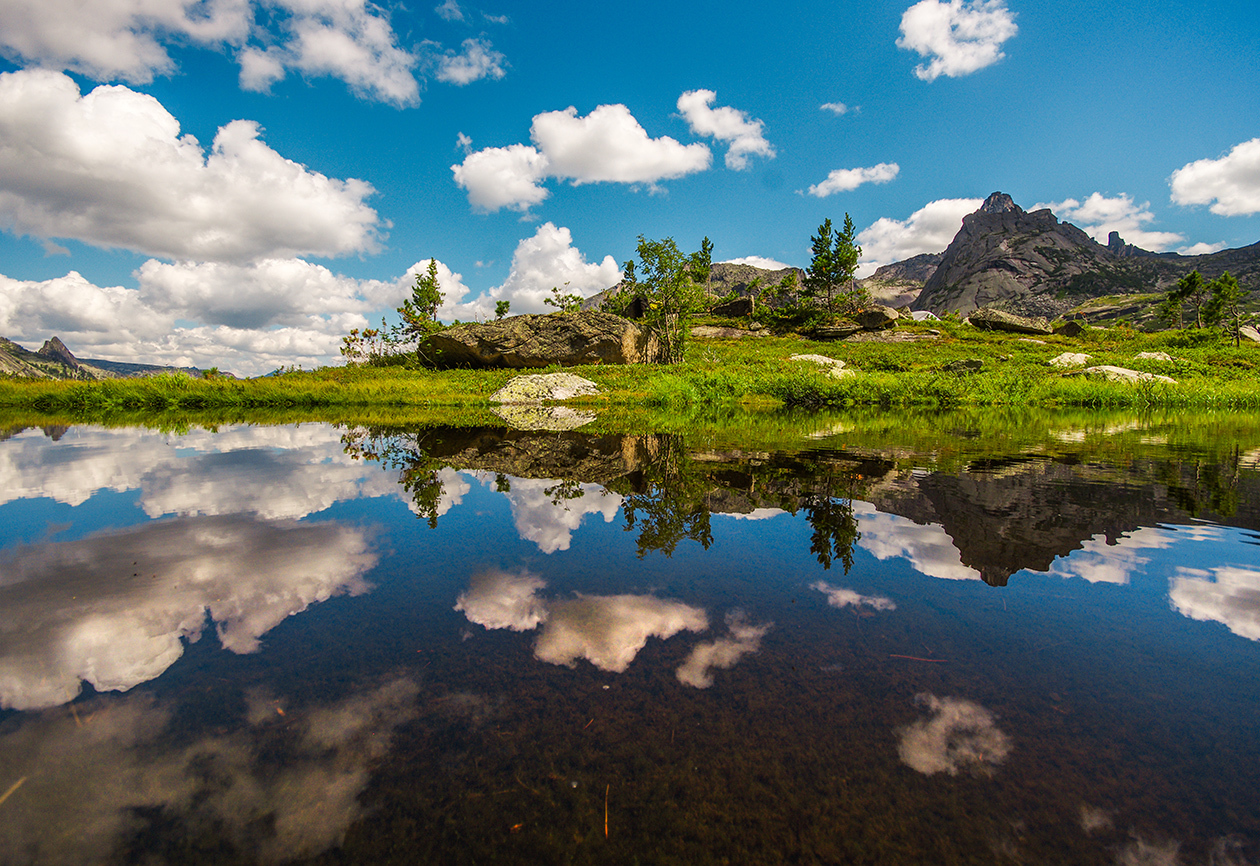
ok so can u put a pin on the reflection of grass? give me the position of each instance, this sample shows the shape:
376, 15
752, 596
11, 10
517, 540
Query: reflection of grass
1210, 372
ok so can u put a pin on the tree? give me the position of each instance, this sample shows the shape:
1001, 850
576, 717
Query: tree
564, 302
1224, 308
501, 308
665, 282
419, 312
1190, 289
831, 271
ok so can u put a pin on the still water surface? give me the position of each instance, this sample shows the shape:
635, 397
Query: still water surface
344, 645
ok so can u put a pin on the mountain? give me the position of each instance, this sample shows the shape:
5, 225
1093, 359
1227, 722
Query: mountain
54, 360
1032, 264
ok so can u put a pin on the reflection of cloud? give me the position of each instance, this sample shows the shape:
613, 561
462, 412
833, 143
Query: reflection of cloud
497, 599
1140, 852
755, 514
608, 631
270, 471
723, 653
228, 782
111, 609
1103, 561
549, 521
927, 547
1094, 819
1226, 594
959, 735
838, 597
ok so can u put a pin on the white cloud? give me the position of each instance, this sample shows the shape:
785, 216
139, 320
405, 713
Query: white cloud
548, 521
222, 780
498, 599
503, 177
1098, 216
928, 230
1202, 248
959, 37
837, 108
450, 11
759, 262
350, 40
723, 653
1101, 560
725, 124
113, 609
1231, 184
111, 169
846, 179
608, 145
609, 631
546, 260
1225, 594
959, 735
840, 597
477, 61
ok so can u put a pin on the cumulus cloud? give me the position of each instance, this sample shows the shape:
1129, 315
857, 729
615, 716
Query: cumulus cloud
846, 179
1099, 215
927, 547
958, 735
837, 108
609, 631
350, 40
544, 261
113, 609
476, 61
723, 653
112, 170
725, 124
759, 262
1202, 248
840, 597
1230, 184
548, 521
450, 11
928, 230
228, 781
499, 599
958, 37
1226, 594
608, 145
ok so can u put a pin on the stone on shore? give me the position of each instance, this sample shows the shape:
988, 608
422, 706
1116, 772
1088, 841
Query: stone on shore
1070, 359
1121, 374
544, 386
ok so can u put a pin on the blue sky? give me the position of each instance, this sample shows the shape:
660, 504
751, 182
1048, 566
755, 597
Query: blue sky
239, 182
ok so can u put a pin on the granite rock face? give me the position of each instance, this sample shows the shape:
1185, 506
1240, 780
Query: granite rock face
517, 342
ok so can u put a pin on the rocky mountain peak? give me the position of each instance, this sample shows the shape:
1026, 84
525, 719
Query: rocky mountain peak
1000, 202
57, 351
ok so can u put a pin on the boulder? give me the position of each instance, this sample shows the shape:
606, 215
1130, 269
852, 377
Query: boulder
531, 416
1249, 332
834, 367
736, 308
1070, 359
566, 339
1120, 374
997, 320
837, 331
964, 365
539, 387
877, 318
1153, 356
1069, 329
924, 316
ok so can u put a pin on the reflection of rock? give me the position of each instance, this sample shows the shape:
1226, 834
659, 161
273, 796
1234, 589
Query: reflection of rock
112, 771
544, 386
1226, 595
532, 417
498, 599
112, 609
609, 631
959, 735
724, 653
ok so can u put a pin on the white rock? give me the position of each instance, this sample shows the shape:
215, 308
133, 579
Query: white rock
1153, 356
1250, 332
544, 386
1070, 359
1120, 374
833, 366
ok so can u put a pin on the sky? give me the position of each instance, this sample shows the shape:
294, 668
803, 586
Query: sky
239, 183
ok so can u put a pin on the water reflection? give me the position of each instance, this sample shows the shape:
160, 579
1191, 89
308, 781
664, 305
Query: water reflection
957, 736
114, 609
1224, 594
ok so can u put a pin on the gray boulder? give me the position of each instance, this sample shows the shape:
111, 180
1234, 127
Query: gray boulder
567, 339
997, 320
736, 307
548, 386
877, 318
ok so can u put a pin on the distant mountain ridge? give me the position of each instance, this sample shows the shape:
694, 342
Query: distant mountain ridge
54, 360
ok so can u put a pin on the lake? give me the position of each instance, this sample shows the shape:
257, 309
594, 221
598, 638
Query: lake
1025, 638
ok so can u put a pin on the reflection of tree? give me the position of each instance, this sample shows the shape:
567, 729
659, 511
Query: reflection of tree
835, 527
1198, 486
406, 454
666, 500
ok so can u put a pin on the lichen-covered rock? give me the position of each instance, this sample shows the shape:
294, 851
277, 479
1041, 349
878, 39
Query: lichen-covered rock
877, 317
567, 339
833, 367
1121, 374
539, 387
997, 320
1153, 356
1070, 359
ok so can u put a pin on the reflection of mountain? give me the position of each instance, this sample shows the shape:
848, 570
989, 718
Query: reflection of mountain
113, 609
111, 773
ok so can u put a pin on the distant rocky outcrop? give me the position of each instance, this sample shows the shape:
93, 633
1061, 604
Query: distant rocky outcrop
517, 342
1032, 264
54, 360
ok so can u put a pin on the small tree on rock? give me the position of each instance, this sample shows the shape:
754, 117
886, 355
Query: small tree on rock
831, 271
419, 312
665, 281
1224, 308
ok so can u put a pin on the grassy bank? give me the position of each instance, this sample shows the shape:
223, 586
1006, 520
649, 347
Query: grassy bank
1210, 372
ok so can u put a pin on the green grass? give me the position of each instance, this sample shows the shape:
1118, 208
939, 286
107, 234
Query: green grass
754, 372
